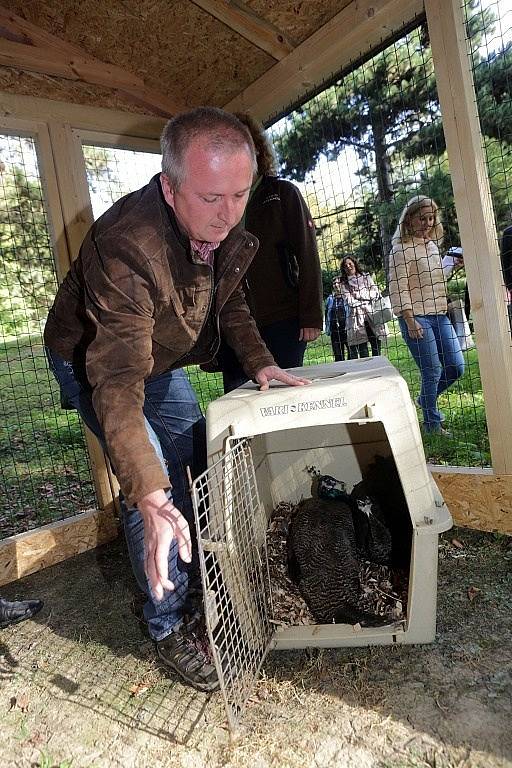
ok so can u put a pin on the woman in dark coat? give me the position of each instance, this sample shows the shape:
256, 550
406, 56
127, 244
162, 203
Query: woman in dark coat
283, 285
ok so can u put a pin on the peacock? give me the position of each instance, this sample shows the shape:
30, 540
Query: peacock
381, 482
329, 536
323, 561
373, 538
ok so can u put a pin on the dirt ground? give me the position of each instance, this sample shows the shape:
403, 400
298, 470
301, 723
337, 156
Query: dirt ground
80, 685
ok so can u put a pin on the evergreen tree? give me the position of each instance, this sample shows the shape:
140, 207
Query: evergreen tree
388, 111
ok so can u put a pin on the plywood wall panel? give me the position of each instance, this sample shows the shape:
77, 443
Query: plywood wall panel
477, 499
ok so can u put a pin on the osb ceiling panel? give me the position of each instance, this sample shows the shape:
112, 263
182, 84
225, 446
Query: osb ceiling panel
298, 20
173, 45
44, 87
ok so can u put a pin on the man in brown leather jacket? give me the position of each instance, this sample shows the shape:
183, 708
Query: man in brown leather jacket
158, 276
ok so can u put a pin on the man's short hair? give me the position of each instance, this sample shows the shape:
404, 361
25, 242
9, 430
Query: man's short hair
221, 130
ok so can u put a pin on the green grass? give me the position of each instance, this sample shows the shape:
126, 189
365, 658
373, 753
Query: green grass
462, 404
45, 473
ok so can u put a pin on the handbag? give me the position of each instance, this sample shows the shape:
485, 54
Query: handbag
460, 324
380, 311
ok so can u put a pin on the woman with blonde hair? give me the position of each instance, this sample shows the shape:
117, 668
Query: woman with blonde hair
418, 294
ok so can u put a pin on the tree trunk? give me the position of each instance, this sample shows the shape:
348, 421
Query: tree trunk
385, 190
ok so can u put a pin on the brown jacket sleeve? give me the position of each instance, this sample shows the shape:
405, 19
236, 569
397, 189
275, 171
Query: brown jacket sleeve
120, 294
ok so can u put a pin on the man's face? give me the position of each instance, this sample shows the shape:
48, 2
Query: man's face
212, 197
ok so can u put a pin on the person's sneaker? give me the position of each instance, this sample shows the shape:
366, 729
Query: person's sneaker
19, 610
187, 652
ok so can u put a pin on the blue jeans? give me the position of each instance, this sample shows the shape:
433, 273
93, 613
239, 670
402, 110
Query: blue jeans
440, 360
176, 429
282, 341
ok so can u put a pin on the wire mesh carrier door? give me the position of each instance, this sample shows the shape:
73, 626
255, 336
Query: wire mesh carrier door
231, 525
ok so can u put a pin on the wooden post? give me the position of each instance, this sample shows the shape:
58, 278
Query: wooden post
77, 215
476, 222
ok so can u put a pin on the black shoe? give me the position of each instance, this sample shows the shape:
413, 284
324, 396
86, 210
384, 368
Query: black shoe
188, 654
13, 612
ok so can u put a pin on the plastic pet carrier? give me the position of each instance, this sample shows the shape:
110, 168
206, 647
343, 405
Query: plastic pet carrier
265, 450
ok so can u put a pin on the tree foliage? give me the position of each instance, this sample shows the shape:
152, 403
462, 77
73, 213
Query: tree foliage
28, 275
388, 111
28, 279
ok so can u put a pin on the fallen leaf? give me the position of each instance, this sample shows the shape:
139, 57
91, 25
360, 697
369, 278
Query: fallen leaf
473, 592
139, 688
22, 702
457, 543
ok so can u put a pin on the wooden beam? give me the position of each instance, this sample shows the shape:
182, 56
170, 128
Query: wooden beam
46, 61
476, 498
24, 46
241, 19
354, 31
34, 550
18, 29
475, 217
120, 125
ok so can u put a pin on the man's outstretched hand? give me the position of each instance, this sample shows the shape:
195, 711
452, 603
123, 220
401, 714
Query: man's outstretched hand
163, 522
272, 372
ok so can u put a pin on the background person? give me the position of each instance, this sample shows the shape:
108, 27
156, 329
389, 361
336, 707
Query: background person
458, 311
335, 325
156, 276
418, 294
453, 262
358, 290
283, 284
506, 265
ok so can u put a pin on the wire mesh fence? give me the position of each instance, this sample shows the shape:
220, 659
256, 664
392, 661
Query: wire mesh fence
359, 149
231, 526
490, 42
44, 472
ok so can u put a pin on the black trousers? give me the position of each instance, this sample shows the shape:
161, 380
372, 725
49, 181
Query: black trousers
340, 348
282, 341
361, 350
